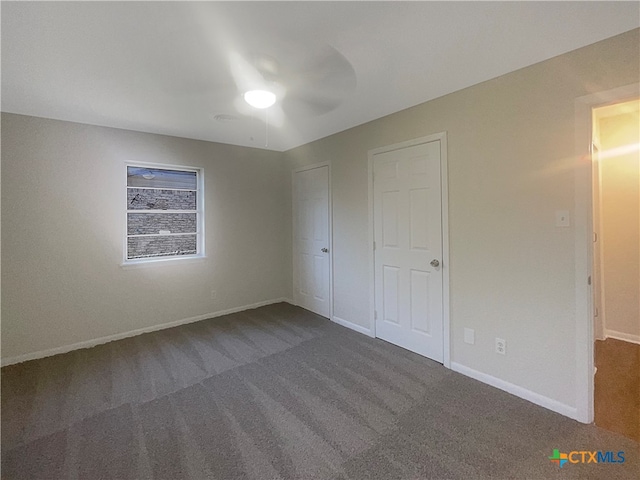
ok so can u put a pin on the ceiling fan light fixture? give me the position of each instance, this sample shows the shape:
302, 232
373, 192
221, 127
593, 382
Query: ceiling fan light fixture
260, 98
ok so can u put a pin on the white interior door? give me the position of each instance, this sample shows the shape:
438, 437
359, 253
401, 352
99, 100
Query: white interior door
311, 240
408, 280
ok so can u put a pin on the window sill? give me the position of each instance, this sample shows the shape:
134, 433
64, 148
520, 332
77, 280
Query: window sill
162, 262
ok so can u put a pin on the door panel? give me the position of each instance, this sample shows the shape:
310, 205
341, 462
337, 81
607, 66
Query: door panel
311, 239
420, 301
408, 236
418, 220
390, 219
391, 279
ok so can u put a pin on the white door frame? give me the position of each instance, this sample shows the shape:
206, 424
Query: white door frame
597, 281
293, 230
444, 176
584, 241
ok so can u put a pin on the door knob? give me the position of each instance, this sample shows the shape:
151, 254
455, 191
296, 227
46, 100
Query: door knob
435, 263
324, 250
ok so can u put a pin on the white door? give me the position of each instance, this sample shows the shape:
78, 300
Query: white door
311, 240
407, 209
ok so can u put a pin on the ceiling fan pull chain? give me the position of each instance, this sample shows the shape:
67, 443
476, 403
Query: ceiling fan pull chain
266, 121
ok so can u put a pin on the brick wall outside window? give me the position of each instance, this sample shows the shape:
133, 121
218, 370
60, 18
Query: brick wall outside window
163, 219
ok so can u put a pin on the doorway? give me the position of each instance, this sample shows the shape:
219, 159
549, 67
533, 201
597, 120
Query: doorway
410, 245
616, 266
311, 239
584, 236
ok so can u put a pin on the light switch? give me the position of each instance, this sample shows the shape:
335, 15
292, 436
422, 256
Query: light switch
469, 336
562, 218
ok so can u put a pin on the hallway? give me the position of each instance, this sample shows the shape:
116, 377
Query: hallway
617, 387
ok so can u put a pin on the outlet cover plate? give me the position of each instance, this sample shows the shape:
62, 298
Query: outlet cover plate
469, 336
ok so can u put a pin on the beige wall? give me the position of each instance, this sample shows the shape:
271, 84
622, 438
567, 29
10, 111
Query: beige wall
620, 190
511, 146
63, 229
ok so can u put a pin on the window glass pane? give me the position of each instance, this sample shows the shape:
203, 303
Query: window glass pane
146, 247
150, 223
160, 178
146, 199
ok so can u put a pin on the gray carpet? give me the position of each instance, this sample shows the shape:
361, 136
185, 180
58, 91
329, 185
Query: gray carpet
276, 392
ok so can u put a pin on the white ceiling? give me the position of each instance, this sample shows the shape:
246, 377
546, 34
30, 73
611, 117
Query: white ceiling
172, 67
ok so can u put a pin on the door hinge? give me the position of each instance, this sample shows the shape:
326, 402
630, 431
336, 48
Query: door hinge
596, 312
589, 280
375, 314
374, 246
595, 237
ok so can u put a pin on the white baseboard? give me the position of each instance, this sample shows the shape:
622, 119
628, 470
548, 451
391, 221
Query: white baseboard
353, 326
133, 333
546, 402
627, 337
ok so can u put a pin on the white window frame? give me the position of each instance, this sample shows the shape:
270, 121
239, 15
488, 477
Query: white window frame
200, 226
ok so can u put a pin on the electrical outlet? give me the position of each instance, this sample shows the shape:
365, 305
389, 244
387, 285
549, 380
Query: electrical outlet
469, 336
501, 346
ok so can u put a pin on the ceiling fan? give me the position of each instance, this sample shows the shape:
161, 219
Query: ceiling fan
299, 84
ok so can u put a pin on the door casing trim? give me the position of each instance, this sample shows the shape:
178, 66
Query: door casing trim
444, 192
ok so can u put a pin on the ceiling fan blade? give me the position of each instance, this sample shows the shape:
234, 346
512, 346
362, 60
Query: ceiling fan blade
308, 105
320, 84
245, 75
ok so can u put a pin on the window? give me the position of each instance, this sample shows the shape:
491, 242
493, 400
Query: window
164, 213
